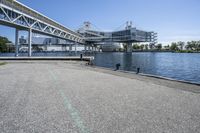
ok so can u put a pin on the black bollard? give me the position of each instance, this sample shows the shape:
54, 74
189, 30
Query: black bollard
138, 70
81, 56
117, 66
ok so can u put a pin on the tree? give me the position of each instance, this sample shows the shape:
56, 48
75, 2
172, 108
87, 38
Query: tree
159, 46
151, 46
174, 47
198, 45
124, 46
167, 47
188, 46
193, 45
136, 46
146, 47
142, 46
4, 44
181, 45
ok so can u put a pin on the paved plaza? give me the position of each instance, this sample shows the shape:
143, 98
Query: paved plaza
69, 97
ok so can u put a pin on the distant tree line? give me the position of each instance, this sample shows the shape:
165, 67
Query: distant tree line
191, 46
147, 47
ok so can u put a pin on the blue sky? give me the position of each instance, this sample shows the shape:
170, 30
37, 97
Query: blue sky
174, 20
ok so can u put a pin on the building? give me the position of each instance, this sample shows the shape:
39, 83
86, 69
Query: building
110, 40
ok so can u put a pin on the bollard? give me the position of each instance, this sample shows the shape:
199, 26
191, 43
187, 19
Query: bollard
138, 70
117, 66
81, 56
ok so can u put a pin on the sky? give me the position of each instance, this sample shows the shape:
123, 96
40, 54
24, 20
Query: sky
173, 20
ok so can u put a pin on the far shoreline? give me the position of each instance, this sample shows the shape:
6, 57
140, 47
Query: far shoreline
152, 51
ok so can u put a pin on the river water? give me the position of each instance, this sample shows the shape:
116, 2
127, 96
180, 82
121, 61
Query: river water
180, 66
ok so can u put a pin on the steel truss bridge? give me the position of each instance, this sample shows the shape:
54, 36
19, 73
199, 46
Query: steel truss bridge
21, 17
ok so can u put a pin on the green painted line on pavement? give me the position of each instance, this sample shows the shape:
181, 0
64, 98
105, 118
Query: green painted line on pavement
68, 106
2, 63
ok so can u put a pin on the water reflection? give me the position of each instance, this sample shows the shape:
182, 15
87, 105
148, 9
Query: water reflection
182, 66
127, 61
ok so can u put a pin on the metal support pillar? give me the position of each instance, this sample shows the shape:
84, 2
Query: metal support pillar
129, 48
64, 48
16, 42
29, 42
46, 47
75, 48
70, 47
85, 47
89, 48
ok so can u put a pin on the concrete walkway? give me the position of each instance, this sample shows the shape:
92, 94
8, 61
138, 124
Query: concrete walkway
68, 97
67, 58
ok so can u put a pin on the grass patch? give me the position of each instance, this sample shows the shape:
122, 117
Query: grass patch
2, 63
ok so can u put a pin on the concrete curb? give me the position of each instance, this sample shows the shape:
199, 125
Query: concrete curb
72, 58
150, 75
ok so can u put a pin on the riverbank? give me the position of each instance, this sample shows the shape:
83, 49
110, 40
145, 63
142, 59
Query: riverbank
68, 96
68, 58
157, 51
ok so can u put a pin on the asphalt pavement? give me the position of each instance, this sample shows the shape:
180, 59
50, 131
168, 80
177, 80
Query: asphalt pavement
69, 97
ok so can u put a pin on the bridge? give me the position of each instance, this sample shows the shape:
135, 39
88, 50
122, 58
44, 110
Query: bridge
21, 17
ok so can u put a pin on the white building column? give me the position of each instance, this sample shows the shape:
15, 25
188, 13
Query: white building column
64, 48
75, 48
29, 42
85, 47
45, 47
129, 47
89, 48
16, 42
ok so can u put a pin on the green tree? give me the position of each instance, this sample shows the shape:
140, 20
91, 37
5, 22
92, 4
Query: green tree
174, 47
198, 45
124, 46
167, 47
151, 46
181, 45
142, 46
146, 47
159, 46
193, 46
188, 46
136, 46
4, 44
